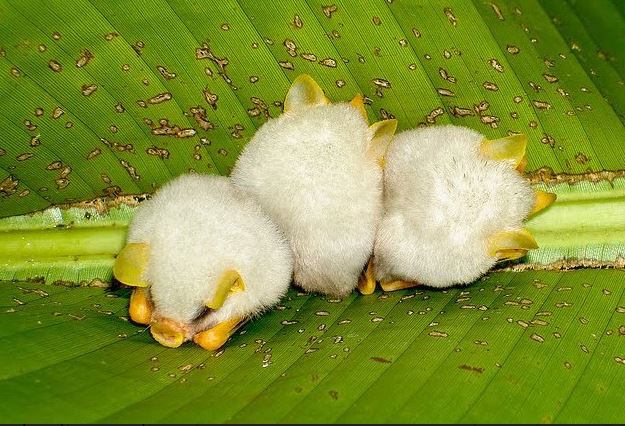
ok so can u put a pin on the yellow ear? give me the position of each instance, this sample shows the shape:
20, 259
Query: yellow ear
130, 264
304, 93
359, 103
509, 245
229, 283
542, 200
383, 132
508, 148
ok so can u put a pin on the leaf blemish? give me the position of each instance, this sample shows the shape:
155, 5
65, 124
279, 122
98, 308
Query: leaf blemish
466, 367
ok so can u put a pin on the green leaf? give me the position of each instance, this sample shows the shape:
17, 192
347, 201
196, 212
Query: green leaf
516, 348
105, 99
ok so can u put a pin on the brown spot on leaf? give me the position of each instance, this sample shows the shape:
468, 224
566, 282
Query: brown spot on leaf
497, 12
290, 46
460, 112
297, 22
328, 62
88, 89
380, 360
496, 65
236, 131
138, 47
261, 106
382, 83
329, 10
84, 59
30, 125
159, 152
55, 66
581, 158
130, 169
94, 153
488, 85
445, 92
8, 186
513, 50
542, 105
309, 57
160, 98
25, 156
450, 16
478, 370
199, 114
211, 98
551, 78
167, 75
434, 114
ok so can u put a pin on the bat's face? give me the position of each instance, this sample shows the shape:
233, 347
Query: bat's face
175, 309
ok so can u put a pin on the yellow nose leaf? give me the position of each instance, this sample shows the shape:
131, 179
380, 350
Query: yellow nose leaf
131, 263
508, 148
508, 245
167, 333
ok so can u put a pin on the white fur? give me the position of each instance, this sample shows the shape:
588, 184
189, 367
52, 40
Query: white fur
197, 227
443, 200
311, 173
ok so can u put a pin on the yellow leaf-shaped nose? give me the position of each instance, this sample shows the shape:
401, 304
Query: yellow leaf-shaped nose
167, 332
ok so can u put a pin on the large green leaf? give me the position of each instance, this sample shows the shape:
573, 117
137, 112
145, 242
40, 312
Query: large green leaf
85, 89
529, 347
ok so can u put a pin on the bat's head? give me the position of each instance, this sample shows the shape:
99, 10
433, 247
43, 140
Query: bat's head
305, 94
178, 303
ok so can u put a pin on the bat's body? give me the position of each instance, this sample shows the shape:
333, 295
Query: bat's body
454, 206
209, 258
315, 171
